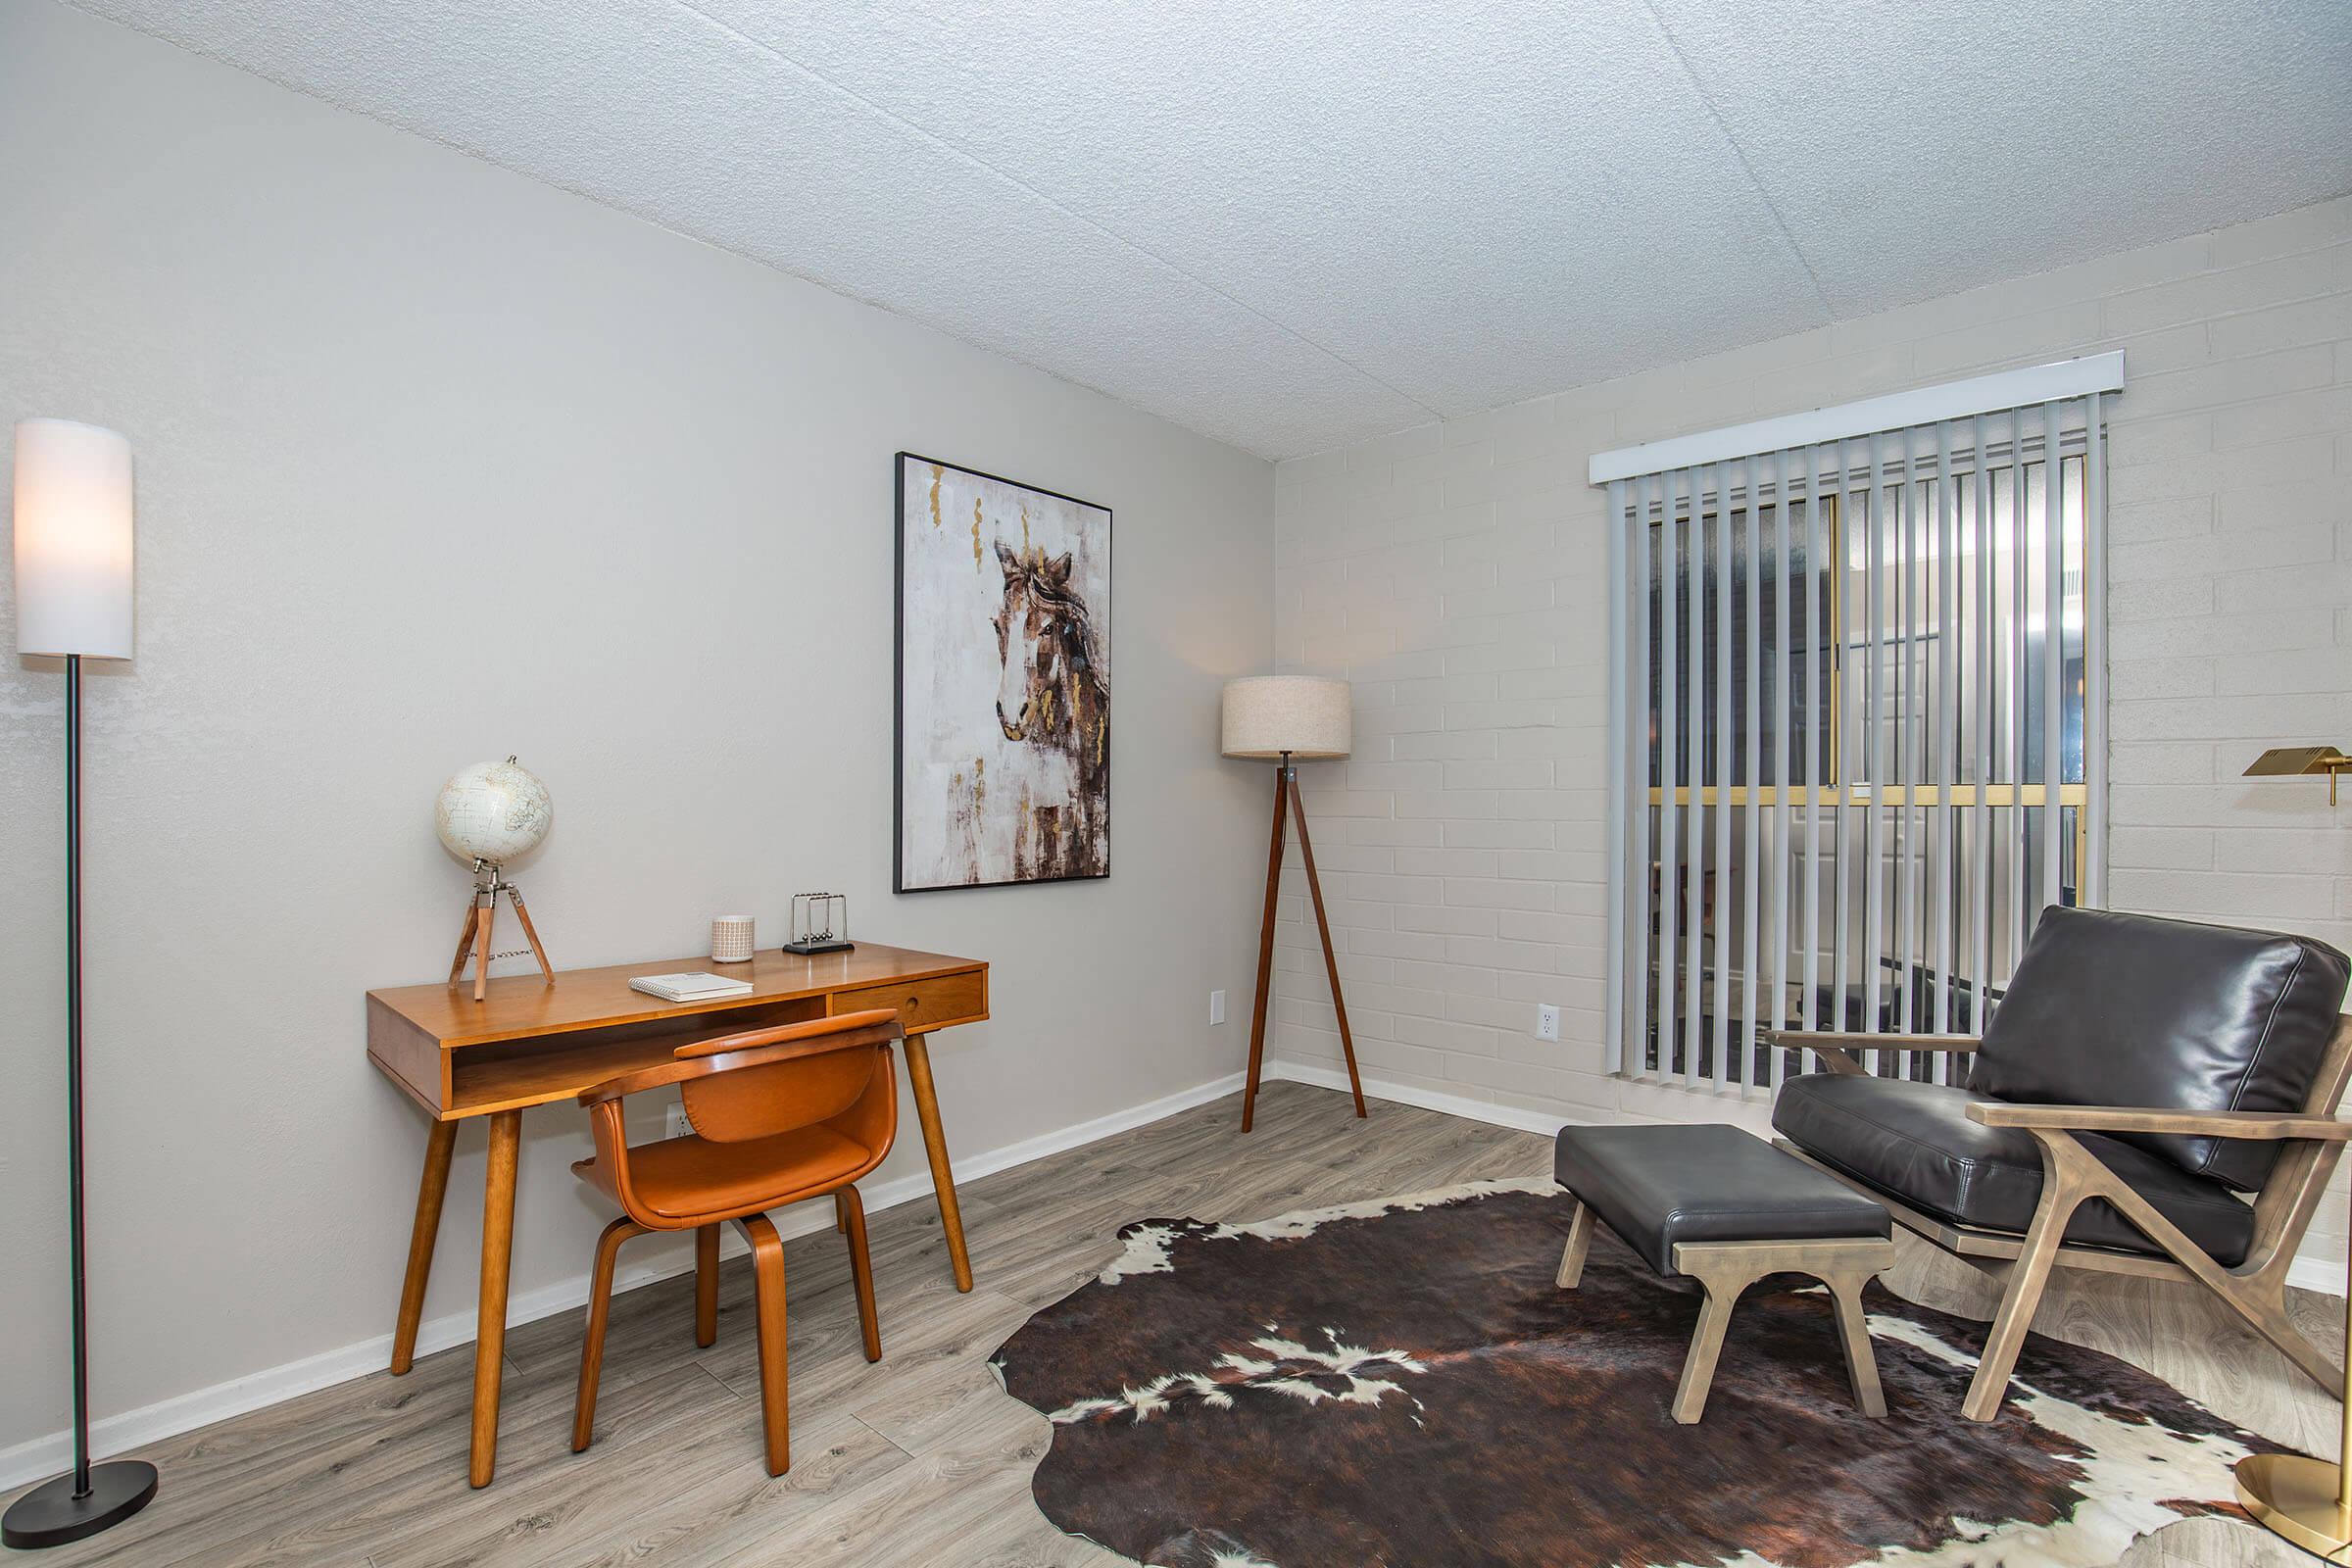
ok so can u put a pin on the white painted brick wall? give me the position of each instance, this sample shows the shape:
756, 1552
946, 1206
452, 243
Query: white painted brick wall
1454, 573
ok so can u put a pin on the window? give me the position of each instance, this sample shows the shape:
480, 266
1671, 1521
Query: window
1842, 669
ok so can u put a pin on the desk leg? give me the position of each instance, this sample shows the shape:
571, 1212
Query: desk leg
498, 1252
935, 1143
429, 1190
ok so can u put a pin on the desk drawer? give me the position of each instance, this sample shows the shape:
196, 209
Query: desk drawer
922, 1003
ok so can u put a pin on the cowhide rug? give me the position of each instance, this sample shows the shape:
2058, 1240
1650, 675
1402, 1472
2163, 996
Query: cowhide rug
1399, 1383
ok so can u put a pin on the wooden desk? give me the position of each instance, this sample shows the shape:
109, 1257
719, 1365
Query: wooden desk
533, 1043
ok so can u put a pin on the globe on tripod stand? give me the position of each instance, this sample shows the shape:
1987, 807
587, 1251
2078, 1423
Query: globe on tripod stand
486, 816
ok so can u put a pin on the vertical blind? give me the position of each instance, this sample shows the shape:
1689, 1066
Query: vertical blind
1856, 731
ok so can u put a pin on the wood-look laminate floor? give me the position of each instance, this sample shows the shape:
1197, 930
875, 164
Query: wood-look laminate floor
922, 1461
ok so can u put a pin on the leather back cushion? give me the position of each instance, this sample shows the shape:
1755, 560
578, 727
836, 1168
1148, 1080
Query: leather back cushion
2126, 1009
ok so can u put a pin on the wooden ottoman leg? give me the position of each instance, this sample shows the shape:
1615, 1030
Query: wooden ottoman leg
1846, 1270
1853, 1338
1579, 1240
1706, 1345
1727, 1268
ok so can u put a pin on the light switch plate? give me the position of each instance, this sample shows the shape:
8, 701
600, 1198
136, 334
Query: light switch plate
1548, 1021
1217, 1006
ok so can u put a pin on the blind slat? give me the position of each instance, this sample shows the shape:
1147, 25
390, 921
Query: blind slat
1783, 667
2019, 555
1635, 770
1874, 855
1620, 548
1852, 524
1694, 884
2053, 651
2094, 826
1980, 889
1752, 835
1670, 766
1945, 740
1721, 954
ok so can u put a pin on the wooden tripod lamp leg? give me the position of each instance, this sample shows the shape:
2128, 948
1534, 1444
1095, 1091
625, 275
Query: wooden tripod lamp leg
1265, 941
1331, 961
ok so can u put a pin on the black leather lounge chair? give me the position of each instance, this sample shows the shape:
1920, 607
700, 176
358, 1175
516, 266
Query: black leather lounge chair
2152, 1096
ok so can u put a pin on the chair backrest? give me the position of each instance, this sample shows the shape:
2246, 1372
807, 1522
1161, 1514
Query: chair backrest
762, 1082
2108, 1008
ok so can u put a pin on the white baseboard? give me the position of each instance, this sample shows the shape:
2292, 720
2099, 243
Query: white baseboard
1526, 1121
2321, 1275
46, 1456
2315, 1274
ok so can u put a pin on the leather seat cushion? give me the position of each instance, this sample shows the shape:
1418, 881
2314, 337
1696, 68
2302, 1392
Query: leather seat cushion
1914, 1143
2126, 1009
1656, 1185
685, 1178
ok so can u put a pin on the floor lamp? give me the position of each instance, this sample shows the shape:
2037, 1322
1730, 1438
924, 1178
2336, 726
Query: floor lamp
1284, 720
73, 601
2307, 1500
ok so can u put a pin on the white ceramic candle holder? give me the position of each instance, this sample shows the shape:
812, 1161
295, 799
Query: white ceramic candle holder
731, 939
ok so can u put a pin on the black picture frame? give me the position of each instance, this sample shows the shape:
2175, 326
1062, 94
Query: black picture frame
903, 463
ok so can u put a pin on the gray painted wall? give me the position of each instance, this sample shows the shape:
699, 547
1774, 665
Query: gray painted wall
437, 463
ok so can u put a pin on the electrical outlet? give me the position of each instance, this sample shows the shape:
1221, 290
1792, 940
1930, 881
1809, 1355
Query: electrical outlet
1548, 1021
677, 1126
1217, 1006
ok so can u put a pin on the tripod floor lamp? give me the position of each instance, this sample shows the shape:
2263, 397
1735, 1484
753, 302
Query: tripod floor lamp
73, 527
1287, 719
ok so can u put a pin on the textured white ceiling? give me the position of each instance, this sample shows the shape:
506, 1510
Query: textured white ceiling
1291, 225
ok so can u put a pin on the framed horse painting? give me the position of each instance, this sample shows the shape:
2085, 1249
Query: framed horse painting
1003, 674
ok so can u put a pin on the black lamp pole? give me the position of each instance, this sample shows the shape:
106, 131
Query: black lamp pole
93, 1497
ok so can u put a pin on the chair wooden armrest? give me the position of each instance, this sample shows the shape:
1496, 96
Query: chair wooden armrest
1844, 1040
777, 1034
2261, 1125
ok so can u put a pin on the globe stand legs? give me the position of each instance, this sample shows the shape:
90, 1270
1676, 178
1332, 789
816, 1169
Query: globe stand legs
89, 1497
54, 1513
474, 937
2307, 1500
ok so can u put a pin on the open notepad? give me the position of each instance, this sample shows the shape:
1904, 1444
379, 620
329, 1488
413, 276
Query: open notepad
692, 986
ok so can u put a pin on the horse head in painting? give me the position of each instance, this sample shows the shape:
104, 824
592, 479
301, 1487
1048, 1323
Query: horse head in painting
1049, 694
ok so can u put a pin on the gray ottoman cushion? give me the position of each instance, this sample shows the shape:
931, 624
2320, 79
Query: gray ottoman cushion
1656, 1185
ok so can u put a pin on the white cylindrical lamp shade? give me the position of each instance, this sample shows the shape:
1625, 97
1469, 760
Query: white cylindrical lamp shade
1306, 715
72, 528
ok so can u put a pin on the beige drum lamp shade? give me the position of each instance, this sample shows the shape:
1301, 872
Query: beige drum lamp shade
1284, 720
1305, 716
73, 540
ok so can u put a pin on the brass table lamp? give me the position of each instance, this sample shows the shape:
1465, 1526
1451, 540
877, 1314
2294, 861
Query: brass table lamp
1283, 719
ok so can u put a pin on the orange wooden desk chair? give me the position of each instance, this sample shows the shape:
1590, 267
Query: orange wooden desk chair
779, 1115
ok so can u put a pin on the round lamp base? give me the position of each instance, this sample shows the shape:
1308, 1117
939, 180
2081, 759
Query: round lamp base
50, 1515
2296, 1496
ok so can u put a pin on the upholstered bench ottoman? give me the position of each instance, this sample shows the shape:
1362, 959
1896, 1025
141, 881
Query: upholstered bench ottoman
1726, 1209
